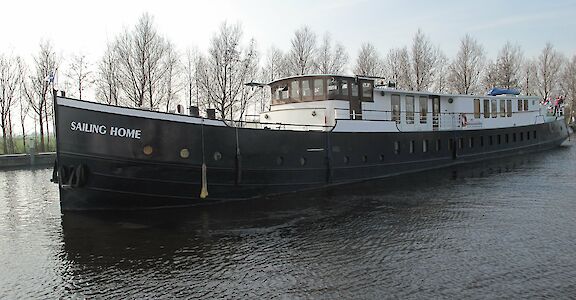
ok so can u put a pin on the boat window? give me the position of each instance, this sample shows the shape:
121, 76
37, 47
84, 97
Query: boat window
450, 144
525, 105
425, 146
486, 108
438, 145
502, 108
381, 157
514, 137
471, 142
519, 105
509, 108
346, 159
507, 138
397, 147
411, 146
302, 161
344, 89
534, 134
333, 89
423, 109
499, 139
354, 87
521, 136
396, 108
318, 89
367, 88
295, 90
476, 108
461, 143
528, 135
490, 140
275, 94
494, 108
410, 109
306, 91
482, 141
365, 158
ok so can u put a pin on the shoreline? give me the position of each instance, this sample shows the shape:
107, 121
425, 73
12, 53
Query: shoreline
14, 161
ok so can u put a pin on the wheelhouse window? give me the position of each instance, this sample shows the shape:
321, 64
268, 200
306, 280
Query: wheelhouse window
494, 108
295, 90
486, 108
509, 108
525, 105
477, 108
423, 109
410, 109
333, 89
306, 91
367, 91
520, 105
395, 108
344, 89
354, 88
502, 108
318, 89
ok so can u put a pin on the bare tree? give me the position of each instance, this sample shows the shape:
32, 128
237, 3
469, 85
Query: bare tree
108, 77
9, 83
330, 59
442, 74
23, 102
225, 71
276, 65
568, 84
170, 82
529, 84
398, 68
423, 61
548, 70
38, 88
508, 66
490, 79
301, 55
79, 73
190, 70
466, 68
368, 62
139, 55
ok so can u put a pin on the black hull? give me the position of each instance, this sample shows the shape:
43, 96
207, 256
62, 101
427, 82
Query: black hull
242, 163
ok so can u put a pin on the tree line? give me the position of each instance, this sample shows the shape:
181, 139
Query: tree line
142, 68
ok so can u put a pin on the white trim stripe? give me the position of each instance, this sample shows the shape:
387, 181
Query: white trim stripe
135, 112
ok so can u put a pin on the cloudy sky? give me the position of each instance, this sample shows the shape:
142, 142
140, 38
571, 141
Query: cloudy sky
86, 26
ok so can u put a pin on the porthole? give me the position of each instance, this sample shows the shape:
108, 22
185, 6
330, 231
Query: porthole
346, 159
302, 161
184, 153
280, 160
217, 156
365, 158
147, 150
381, 157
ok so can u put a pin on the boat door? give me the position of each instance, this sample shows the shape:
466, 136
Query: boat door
435, 112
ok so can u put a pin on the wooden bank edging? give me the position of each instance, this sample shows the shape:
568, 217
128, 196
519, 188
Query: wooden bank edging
27, 160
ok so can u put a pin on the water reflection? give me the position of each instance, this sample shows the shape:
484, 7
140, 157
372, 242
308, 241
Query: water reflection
343, 242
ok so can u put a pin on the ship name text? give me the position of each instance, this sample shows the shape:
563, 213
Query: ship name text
104, 130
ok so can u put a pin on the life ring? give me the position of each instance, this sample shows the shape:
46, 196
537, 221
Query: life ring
463, 120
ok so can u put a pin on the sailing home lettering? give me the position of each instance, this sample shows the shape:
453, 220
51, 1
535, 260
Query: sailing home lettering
103, 130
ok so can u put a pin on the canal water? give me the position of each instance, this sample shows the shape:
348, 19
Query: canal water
504, 229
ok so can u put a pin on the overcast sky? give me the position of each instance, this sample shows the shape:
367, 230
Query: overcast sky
86, 26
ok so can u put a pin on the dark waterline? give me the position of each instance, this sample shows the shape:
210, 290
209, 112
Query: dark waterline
503, 229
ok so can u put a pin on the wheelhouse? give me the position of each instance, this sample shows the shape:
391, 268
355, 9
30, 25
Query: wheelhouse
322, 87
